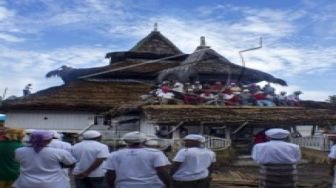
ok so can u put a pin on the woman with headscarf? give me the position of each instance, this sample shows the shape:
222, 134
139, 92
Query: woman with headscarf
9, 168
41, 166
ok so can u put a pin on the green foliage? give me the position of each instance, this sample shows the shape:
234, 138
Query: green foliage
332, 99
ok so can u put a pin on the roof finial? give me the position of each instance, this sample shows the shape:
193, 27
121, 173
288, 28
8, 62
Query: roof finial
155, 26
202, 44
202, 41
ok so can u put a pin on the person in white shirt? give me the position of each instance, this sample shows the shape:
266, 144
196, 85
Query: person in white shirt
294, 99
137, 166
277, 159
192, 165
90, 155
178, 86
41, 166
56, 142
332, 161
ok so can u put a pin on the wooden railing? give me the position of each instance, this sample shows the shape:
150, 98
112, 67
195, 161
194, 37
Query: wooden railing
213, 143
321, 143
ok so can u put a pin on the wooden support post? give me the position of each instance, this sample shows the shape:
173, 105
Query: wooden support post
313, 130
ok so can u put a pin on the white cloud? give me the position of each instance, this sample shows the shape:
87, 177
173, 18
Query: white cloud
5, 13
24, 67
10, 38
122, 19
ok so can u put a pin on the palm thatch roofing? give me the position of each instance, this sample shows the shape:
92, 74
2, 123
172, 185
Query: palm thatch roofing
81, 96
235, 116
127, 69
207, 65
156, 43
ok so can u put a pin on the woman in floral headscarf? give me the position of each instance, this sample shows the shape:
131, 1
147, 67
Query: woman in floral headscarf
41, 165
9, 168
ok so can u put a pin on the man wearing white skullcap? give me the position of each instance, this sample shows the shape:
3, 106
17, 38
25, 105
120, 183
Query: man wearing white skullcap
276, 155
137, 166
192, 165
90, 155
57, 142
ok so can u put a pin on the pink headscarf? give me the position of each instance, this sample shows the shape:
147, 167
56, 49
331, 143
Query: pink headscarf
37, 139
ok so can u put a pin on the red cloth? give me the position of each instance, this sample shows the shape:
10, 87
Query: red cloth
259, 96
260, 137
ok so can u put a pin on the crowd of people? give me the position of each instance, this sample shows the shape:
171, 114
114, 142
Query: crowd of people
47, 162
175, 92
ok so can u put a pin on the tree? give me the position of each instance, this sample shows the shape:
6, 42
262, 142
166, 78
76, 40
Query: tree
332, 99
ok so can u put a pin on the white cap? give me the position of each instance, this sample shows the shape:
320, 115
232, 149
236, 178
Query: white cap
134, 137
56, 134
277, 133
91, 134
29, 131
2, 117
195, 137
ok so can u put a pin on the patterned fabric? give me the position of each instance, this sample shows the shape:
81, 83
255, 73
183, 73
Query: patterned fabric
202, 183
278, 176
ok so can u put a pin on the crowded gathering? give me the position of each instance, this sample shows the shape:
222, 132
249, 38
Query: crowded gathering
218, 93
39, 158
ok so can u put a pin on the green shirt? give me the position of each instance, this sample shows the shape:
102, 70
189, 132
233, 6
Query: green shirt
9, 167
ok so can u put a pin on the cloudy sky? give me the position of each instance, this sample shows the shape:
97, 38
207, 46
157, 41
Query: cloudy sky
299, 36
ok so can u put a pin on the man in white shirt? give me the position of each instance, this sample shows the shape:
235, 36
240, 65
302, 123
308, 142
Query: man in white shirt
178, 86
332, 161
137, 166
40, 165
90, 155
277, 159
56, 142
192, 165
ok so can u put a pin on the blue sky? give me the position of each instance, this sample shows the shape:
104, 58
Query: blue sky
299, 36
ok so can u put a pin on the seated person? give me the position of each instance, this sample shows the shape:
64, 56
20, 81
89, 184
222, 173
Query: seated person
281, 99
207, 96
165, 96
268, 89
293, 99
245, 97
197, 87
235, 89
217, 87
262, 100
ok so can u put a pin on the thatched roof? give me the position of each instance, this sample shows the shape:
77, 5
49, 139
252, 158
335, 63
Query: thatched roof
121, 56
128, 69
156, 43
207, 65
235, 116
81, 95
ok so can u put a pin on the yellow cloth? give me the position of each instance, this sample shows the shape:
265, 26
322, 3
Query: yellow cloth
5, 184
14, 134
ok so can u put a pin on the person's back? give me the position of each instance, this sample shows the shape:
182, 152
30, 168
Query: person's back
192, 165
135, 167
59, 144
277, 160
276, 152
55, 143
195, 163
86, 152
42, 169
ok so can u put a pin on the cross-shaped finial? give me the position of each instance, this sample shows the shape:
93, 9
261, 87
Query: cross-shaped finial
155, 26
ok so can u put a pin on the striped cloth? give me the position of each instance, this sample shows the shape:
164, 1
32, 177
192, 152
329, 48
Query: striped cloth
278, 176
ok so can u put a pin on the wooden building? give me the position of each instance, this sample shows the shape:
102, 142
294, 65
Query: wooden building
109, 96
